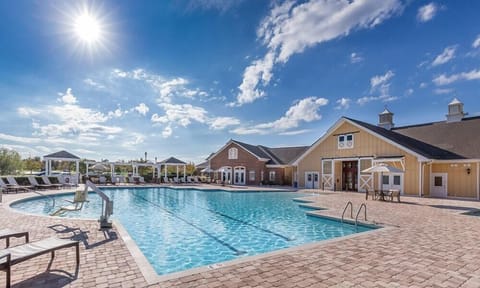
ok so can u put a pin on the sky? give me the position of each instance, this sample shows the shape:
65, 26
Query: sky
115, 79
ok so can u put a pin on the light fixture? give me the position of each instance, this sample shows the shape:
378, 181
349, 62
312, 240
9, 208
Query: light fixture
469, 170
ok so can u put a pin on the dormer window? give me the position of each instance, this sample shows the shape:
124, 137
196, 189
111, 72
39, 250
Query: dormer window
233, 153
345, 141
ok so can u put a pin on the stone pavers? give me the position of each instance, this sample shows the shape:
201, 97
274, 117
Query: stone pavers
426, 243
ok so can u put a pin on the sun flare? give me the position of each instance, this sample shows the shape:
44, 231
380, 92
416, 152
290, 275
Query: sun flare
87, 28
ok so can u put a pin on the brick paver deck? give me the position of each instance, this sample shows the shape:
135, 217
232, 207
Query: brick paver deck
426, 243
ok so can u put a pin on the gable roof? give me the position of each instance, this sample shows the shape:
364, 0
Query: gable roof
172, 160
425, 149
62, 154
272, 156
461, 138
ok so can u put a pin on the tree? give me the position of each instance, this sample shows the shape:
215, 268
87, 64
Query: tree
10, 161
32, 164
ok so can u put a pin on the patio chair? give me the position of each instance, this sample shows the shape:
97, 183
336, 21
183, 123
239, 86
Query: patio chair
77, 204
371, 192
21, 253
48, 182
33, 181
9, 233
13, 183
7, 187
66, 182
141, 180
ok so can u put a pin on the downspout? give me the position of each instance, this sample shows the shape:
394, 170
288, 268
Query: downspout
478, 179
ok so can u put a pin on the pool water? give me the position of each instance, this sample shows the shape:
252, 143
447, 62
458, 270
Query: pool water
179, 229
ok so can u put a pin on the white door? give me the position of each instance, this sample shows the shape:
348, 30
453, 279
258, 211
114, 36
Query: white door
239, 175
311, 180
438, 185
392, 181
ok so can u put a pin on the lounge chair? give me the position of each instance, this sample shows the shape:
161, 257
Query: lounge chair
33, 182
141, 180
102, 180
131, 180
13, 183
7, 187
8, 233
77, 204
371, 192
65, 181
21, 253
48, 182
165, 180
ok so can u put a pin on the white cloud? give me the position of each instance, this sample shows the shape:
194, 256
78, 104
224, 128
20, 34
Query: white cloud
167, 89
427, 12
380, 80
343, 103
28, 111
220, 5
182, 114
379, 84
68, 97
135, 140
142, 109
476, 43
305, 110
292, 27
28, 140
94, 84
355, 58
295, 132
440, 91
447, 55
167, 132
445, 80
423, 85
221, 123
116, 114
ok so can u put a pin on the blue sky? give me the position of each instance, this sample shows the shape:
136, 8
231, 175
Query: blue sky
114, 79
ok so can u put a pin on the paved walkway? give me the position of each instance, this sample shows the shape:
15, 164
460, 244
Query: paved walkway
426, 243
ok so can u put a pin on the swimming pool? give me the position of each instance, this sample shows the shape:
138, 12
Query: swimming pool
179, 229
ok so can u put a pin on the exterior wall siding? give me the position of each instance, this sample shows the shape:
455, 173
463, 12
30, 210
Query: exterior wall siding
459, 182
365, 145
245, 159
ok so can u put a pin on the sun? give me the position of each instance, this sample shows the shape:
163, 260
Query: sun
87, 28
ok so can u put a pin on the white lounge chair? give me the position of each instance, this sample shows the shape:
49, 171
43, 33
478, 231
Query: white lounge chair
13, 183
34, 183
47, 182
21, 253
77, 204
141, 180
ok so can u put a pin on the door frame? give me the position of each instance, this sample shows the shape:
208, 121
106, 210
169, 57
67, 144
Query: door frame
240, 170
444, 181
315, 184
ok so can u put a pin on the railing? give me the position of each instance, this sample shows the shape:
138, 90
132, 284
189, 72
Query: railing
358, 213
107, 206
47, 196
345, 209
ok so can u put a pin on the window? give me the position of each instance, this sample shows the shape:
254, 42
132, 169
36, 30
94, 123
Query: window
271, 176
385, 180
396, 180
345, 141
438, 180
251, 175
233, 153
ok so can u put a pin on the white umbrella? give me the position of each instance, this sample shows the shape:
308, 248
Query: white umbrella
207, 170
382, 168
99, 167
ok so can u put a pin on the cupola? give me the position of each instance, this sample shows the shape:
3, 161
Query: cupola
455, 111
385, 119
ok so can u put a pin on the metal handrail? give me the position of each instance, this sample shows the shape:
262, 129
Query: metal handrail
349, 203
47, 196
358, 213
107, 205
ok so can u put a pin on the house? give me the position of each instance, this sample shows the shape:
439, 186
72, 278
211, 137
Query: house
439, 159
245, 164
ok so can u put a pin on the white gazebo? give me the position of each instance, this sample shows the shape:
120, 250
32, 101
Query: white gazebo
172, 161
61, 156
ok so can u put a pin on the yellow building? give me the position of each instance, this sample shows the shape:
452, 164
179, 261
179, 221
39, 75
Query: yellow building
440, 159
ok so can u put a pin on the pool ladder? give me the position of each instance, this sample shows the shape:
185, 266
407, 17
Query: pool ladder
349, 204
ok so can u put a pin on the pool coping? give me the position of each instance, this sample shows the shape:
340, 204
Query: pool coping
152, 277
